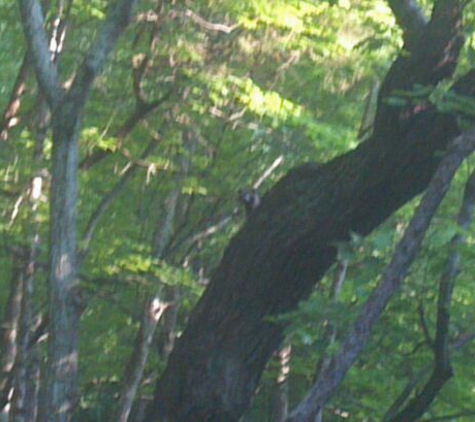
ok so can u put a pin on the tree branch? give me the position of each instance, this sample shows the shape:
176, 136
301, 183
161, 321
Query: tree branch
454, 416
152, 313
425, 328
442, 370
10, 118
433, 59
117, 20
330, 379
457, 344
410, 18
140, 112
109, 198
218, 27
37, 39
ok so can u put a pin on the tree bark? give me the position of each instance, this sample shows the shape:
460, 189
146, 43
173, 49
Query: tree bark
10, 329
65, 303
153, 311
26, 381
288, 243
171, 294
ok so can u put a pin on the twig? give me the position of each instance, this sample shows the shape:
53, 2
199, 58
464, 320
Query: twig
277, 162
424, 326
218, 27
109, 198
10, 118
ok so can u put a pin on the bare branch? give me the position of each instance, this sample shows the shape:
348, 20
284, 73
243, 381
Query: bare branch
442, 370
459, 343
452, 417
224, 221
37, 39
213, 229
277, 162
141, 111
151, 16
424, 326
392, 278
109, 198
140, 64
153, 311
59, 26
10, 118
218, 27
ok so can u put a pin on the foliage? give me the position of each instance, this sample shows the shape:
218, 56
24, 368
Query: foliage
289, 79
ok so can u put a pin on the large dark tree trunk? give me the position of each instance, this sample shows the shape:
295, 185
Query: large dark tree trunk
288, 243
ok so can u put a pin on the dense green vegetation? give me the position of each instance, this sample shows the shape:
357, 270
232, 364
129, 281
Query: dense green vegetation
199, 100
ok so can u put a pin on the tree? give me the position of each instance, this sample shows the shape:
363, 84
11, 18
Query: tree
65, 303
203, 100
289, 242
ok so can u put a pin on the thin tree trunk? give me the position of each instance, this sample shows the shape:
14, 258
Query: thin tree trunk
25, 398
455, 346
168, 336
65, 303
171, 294
442, 370
161, 241
9, 349
332, 333
281, 404
153, 311
21, 402
33, 387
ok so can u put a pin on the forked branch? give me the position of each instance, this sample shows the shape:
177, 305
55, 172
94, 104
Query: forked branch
37, 39
393, 276
117, 20
410, 18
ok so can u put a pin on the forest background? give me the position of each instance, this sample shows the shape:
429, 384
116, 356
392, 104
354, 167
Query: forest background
126, 135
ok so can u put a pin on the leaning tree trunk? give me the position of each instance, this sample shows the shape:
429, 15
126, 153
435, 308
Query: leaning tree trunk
288, 243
